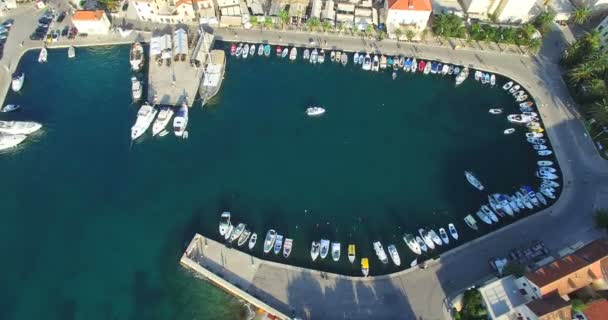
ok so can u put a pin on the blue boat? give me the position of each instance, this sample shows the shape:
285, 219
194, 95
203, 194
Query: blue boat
434, 67
439, 67
408, 64
267, 50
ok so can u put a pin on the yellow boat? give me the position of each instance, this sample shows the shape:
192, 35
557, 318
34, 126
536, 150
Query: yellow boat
365, 267
351, 253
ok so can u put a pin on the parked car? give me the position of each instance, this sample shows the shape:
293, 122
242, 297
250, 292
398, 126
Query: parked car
49, 38
36, 36
65, 31
55, 36
61, 16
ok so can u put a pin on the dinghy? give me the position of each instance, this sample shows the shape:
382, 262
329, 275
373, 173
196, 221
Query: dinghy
314, 250
10, 107
453, 231
252, 241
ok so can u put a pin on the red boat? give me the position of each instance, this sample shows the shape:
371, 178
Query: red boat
279, 50
421, 66
233, 49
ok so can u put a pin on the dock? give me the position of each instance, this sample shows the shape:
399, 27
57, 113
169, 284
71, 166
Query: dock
174, 68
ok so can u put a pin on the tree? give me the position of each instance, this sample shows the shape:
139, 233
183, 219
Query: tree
515, 269
369, 29
581, 15
254, 21
599, 112
283, 17
398, 33
580, 73
325, 25
313, 23
593, 89
476, 32
110, 5
534, 45
578, 305
543, 21
409, 34
472, 306
268, 23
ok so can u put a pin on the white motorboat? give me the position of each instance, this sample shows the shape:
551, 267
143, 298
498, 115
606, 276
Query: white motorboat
521, 98
488, 212
550, 183
426, 237
453, 231
335, 251
261, 50
43, 55
541, 198
504, 203
496, 206
321, 58
8, 141
546, 175
145, 116
445, 69
243, 238
512, 203
315, 111
252, 50
288, 245
514, 88
17, 82
508, 131
444, 236
526, 104
473, 181
367, 63
380, 252
356, 58
547, 191
252, 241
518, 202
470, 221
492, 80
245, 51
344, 59
306, 54
239, 50
427, 68
284, 53
534, 135
414, 66
530, 194
483, 217
547, 169
180, 122
228, 232
410, 241
314, 56
19, 127
518, 118
164, 117
464, 73
544, 152
421, 244
136, 89
383, 62
478, 75
71, 52
436, 239
136, 56
536, 140
392, 251
224, 222
324, 250
375, 64
271, 236
10, 107
495, 111
524, 199
507, 85
293, 54
314, 250
351, 253
236, 233
540, 147
518, 94
332, 56
278, 243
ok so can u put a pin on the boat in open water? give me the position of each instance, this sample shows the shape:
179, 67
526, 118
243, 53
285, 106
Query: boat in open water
473, 180
214, 74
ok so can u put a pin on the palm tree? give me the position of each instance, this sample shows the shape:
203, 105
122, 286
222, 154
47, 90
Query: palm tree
591, 40
268, 23
593, 88
110, 5
599, 112
398, 33
534, 46
475, 31
325, 25
440, 25
410, 34
580, 73
313, 23
283, 17
528, 30
581, 15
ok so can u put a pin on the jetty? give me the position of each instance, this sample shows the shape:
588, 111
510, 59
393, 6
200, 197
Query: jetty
175, 67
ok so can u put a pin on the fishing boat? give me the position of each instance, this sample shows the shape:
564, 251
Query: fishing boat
180, 122
356, 58
376, 63
436, 239
492, 80
252, 241
464, 73
261, 50
252, 50
470, 221
224, 222
293, 54
164, 117
17, 81
507, 85
136, 56
421, 244
367, 63
314, 111
324, 248
483, 217
136, 89
43, 55
453, 231
321, 58
495, 111
444, 236
145, 116
236, 233
410, 241
544, 152
284, 54
351, 253
213, 76
306, 55
344, 59
287, 247
267, 50
314, 55
380, 252
228, 232
279, 50
335, 251
233, 49
271, 236
544, 163
473, 181
314, 250
427, 68
245, 52
426, 237
243, 238
392, 251
278, 243
383, 62
19, 127
509, 130
488, 212
8, 141
365, 267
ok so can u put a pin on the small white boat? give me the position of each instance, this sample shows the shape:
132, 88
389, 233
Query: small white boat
236, 233
478, 75
492, 80
8, 141
315, 111
17, 82
380, 252
324, 248
534, 135
514, 88
550, 183
136, 89
509, 131
10, 107
394, 75
541, 198
470, 221
284, 53
526, 104
245, 51
365, 267
483, 217
463, 75
164, 117
228, 232
356, 58
521, 98
524, 199
414, 66
546, 175
321, 58
367, 63
507, 85
426, 237
252, 50
261, 50
180, 122
375, 64
243, 238
287, 246
392, 251
548, 192
540, 147
136, 56
421, 244
239, 50
71, 52
314, 250
436, 239
453, 231
445, 69
495, 111
278, 243
306, 55
544, 152
293, 54
518, 93
335, 251
43, 55
19, 127
344, 59
410, 241
314, 54
351, 253
269, 240
518, 118
444, 236
536, 140
332, 56
145, 116
473, 180
488, 212
252, 241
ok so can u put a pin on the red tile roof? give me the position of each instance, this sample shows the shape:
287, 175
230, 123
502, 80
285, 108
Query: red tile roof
87, 15
550, 308
596, 250
180, 2
597, 310
413, 5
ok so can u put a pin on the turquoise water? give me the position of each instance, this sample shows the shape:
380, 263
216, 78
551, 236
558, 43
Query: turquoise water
93, 227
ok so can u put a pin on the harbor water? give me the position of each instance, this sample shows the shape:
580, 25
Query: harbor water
93, 225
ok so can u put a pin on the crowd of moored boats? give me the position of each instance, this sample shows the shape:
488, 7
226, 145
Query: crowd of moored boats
12, 133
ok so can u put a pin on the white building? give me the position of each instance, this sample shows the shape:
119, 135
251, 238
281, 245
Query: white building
413, 14
602, 28
505, 11
91, 21
170, 11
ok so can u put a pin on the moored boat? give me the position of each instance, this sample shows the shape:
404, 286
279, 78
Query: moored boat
42, 57
180, 122
444, 236
136, 89
410, 241
464, 73
10, 108
321, 57
314, 250
426, 237
483, 217
17, 81
365, 267
284, 54
383, 62
269, 240
392, 251
8, 141
324, 250
344, 59
278, 244
260, 49
335, 251
267, 50
470, 221
507, 85
71, 52
136, 56
367, 63
436, 239
162, 120
351, 253
145, 116
224, 222
245, 52
214, 74
375, 64
380, 252
453, 231
243, 238
236, 233
287, 246
252, 241
19, 127
293, 55
421, 244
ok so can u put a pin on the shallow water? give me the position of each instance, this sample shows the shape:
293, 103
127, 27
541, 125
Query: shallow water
94, 226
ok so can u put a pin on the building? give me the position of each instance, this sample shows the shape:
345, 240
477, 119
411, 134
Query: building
504, 11
173, 11
204, 8
412, 14
595, 5
91, 21
596, 310
602, 28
